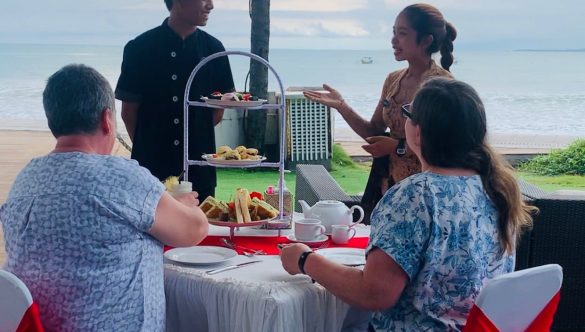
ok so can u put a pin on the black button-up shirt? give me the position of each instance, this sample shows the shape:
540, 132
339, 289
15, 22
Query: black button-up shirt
155, 70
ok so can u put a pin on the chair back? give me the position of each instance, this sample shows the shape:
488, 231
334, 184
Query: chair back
524, 300
18, 312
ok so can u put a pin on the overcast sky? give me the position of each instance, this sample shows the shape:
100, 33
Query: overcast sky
331, 24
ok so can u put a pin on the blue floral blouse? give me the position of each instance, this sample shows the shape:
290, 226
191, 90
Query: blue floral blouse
442, 231
76, 228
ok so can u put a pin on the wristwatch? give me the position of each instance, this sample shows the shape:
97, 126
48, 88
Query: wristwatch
303, 259
401, 147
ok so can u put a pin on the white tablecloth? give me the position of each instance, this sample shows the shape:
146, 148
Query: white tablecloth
257, 297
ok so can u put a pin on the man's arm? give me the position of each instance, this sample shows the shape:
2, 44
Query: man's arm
179, 224
129, 116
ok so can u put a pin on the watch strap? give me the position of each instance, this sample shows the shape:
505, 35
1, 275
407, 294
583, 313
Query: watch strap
303, 259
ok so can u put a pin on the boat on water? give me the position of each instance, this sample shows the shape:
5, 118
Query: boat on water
367, 60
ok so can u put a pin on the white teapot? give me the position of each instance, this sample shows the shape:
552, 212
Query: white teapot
331, 213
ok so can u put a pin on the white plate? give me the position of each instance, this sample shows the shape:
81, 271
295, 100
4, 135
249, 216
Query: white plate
245, 162
200, 255
233, 103
345, 256
317, 241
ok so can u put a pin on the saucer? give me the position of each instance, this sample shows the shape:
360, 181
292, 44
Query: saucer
317, 241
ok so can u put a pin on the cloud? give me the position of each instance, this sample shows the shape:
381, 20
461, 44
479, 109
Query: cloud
481, 24
319, 27
456, 4
144, 6
298, 5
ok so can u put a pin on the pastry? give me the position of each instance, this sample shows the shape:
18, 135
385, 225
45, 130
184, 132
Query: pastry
223, 149
232, 155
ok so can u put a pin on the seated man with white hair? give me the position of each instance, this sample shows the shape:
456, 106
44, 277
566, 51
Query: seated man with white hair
85, 230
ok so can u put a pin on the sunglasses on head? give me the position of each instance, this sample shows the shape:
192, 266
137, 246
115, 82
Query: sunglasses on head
406, 111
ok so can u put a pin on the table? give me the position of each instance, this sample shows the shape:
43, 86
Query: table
257, 297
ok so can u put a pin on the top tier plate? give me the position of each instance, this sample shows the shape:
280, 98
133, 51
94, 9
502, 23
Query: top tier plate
233, 103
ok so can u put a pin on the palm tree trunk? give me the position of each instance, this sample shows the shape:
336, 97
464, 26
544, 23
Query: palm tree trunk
260, 35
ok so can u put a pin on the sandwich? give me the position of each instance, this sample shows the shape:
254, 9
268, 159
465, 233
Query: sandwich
242, 203
263, 210
213, 207
208, 203
218, 211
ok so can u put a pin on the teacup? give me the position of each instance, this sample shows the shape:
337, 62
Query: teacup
340, 233
308, 229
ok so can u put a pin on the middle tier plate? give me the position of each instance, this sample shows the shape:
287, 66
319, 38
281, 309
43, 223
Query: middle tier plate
222, 162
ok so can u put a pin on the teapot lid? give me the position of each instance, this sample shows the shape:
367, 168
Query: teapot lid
329, 203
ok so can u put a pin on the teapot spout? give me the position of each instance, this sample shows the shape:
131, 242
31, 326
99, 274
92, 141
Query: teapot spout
305, 207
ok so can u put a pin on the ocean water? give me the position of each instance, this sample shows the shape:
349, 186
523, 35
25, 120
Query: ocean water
539, 93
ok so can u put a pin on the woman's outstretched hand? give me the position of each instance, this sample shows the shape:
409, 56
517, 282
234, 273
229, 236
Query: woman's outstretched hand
380, 146
331, 98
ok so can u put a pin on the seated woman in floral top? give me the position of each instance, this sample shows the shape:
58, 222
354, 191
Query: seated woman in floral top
436, 236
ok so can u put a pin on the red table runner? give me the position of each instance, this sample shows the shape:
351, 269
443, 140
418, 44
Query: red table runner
268, 243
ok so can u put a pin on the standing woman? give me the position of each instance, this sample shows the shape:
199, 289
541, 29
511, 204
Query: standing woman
419, 31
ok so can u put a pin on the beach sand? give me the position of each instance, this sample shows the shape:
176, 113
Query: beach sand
18, 147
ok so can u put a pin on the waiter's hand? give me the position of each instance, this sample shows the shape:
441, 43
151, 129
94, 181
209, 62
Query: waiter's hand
189, 199
289, 255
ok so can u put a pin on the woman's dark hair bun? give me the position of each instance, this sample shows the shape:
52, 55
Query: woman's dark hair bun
451, 32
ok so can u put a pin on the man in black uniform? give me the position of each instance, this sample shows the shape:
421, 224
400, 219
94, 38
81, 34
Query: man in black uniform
155, 70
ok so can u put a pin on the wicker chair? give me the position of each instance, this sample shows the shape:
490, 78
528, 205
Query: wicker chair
530, 193
315, 184
558, 236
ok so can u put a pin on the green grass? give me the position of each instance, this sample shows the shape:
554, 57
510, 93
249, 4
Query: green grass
352, 177
253, 180
552, 183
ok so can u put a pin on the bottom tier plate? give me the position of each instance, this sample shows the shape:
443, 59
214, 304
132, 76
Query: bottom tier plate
235, 224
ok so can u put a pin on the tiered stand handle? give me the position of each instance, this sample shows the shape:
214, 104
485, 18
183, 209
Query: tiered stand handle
282, 122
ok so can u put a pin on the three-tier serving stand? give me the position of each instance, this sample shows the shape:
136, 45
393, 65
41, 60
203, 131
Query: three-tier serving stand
281, 221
